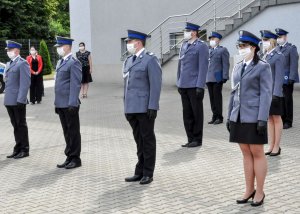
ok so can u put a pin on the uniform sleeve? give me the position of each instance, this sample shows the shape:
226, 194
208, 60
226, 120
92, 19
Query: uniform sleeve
279, 76
75, 83
155, 81
231, 96
225, 64
294, 60
179, 63
24, 82
203, 66
265, 92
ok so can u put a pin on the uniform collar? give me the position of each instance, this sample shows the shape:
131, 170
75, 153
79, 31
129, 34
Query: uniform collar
139, 52
248, 62
284, 44
192, 41
65, 57
270, 51
15, 58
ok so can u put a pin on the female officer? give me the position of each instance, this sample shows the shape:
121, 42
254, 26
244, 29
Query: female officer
276, 61
248, 113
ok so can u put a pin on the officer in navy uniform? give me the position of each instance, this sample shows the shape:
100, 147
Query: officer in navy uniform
17, 84
276, 60
291, 75
67, 89
218, 73
191, 77
248, 113
142, 85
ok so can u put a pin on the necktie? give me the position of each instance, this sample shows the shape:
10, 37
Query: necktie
61, 61
11, 62
243, 69
188, 45
133, 58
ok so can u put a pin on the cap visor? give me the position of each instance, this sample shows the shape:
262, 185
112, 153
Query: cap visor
57, 45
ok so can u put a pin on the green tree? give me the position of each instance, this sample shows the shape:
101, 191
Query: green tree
25, 19
44, 52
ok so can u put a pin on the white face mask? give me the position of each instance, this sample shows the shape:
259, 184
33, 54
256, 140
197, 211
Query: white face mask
245, 52
81, 48
280, 41
266, 45
130, 48
187, 35
11, 54
212, 43
60, 51
32, 52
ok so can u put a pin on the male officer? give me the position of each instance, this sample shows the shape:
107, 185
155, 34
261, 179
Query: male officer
218, 73
291, 75
67, 89
17, 83
191, 76
143, 78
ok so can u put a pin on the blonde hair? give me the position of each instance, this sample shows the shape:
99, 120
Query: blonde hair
273, 43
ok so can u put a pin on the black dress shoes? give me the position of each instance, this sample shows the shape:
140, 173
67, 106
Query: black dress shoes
63, 165
212, 121
146, 180
12, 155
73, 164
218, 121
287, 126
194, 144
258, 203
21, 155
134, 178
277, 153
245, 200
186, 145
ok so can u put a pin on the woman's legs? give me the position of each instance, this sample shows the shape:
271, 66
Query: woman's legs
271, 131
248, 169
278, 130
260, 169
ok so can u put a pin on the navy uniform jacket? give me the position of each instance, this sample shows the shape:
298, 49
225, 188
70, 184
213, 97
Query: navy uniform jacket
68, 83
192, 65
142, 83
291, 62
251, 94
277, 62
218, 68
17, 82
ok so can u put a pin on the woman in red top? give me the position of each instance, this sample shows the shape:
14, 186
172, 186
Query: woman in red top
36, 67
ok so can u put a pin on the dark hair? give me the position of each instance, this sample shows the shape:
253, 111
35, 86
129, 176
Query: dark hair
81, 43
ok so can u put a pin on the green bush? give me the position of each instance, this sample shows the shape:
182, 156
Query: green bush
44, 52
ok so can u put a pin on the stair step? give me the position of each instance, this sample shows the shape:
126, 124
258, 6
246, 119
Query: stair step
255, 10
237, 22
264, 4
228, 28
246, 16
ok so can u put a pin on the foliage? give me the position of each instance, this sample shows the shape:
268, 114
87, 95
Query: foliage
44, 52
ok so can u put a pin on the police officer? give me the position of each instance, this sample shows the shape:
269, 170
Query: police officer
276, 61
191, 76
17, 84
291, 75
218, 73
67, 89
142, 85
248, 113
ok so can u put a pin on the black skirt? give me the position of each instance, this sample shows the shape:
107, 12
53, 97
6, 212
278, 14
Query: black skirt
86, 75
246, 133
276, 106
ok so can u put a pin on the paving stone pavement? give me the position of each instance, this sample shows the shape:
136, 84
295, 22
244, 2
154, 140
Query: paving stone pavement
196, 180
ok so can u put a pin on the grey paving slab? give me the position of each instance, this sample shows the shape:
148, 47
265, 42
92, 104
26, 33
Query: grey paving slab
200, 180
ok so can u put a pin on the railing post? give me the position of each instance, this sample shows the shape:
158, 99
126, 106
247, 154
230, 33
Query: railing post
161, 43
240, 8
215, 14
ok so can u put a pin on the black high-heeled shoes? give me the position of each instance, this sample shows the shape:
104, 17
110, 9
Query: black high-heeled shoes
277, 153
245, 200
258, 203
268, 153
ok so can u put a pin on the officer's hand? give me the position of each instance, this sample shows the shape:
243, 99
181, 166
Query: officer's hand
261, 127
179, 90
291, 82
228, 125
151, 114
73, 110
21, 105
200, 92
224, 80
56, 110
